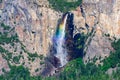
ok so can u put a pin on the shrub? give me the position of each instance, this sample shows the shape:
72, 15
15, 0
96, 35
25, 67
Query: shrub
63, 5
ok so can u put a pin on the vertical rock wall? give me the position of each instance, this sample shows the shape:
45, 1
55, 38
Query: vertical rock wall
101, 19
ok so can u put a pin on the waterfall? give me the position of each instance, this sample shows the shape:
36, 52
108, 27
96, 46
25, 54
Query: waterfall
62, 47
59, 42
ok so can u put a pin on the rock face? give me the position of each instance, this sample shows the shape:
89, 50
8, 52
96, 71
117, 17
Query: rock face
3, 65
100, 18
105, 14
35, 23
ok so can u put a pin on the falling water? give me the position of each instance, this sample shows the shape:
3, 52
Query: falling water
59, 42
62, 46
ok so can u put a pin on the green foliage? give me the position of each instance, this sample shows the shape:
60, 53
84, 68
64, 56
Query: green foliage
77, 69
77, 63
34, 55
5, 53
74, 70
37, 70
79, 43
31, 56
107, 35
5, 27
63, 5
16, 59
41, 62
5, 38
116, 45
113, 60
16, 73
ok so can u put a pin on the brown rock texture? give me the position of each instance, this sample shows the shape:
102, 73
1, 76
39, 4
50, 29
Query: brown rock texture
35, 23
98, 17
3, 65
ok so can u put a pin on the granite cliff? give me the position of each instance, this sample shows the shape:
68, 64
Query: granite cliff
35, 22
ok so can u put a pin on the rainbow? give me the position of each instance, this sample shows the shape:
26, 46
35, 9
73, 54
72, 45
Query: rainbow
58, 40
60, 32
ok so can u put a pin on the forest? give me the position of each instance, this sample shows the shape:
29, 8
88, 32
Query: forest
74, 70
64, 5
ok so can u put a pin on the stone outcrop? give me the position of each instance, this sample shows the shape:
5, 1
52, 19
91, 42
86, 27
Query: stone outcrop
3, 65
99, 18
35, 23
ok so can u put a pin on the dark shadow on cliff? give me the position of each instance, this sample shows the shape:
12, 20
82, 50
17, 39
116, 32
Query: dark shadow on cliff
69, 42
74, 46
79, 41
